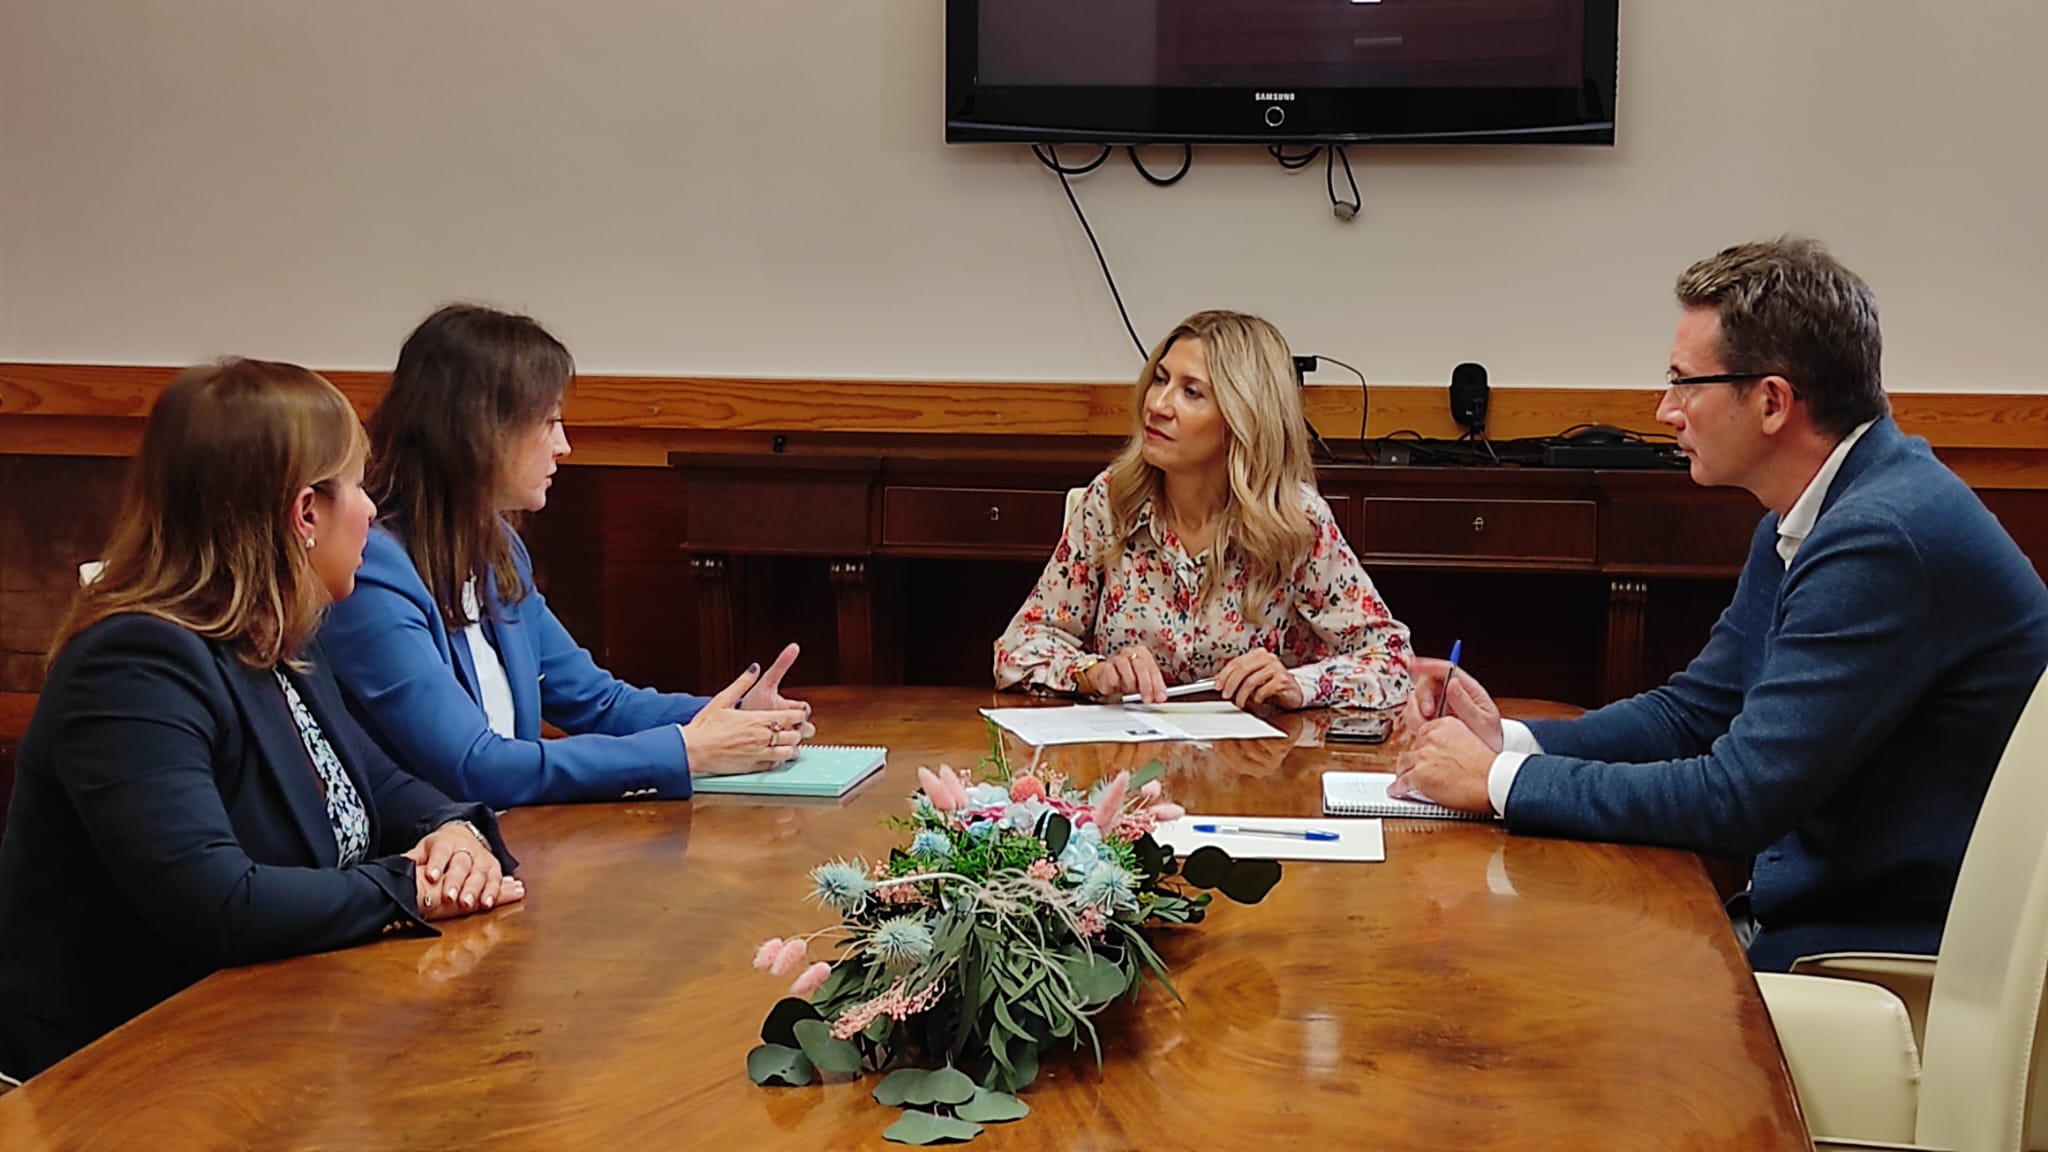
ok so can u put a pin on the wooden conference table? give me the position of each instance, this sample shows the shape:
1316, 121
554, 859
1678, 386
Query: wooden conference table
1477, 990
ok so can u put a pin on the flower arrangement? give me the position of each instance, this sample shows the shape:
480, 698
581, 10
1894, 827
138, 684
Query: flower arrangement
1017, 910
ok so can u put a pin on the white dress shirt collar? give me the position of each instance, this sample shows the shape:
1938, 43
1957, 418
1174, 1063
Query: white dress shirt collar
1797, 521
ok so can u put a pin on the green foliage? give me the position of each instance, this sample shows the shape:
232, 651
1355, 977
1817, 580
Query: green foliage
777, 1064
927, 1128
1022, 955
828, 1052
992, 1108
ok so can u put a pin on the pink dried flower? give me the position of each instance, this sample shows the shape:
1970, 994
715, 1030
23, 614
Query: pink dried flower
1109, 807
1042, 869
899, 894
786, 960
947, 791
812, 979
1151, 791
957, 783
1165, 812
764, 956
933, 790
1026, 788
1091, 922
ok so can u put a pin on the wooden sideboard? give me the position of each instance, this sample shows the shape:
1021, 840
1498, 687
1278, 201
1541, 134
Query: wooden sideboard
1559, 569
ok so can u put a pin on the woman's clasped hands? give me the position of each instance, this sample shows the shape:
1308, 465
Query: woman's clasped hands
456, 873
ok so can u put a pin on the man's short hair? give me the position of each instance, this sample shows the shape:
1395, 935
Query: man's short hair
1788, 308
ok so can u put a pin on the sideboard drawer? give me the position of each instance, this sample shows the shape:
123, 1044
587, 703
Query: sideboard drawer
797, 513
978, 518
1418, 528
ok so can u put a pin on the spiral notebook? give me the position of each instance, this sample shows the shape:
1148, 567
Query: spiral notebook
818, 770
1365, 794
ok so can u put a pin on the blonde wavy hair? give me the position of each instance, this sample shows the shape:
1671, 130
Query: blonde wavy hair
202, 539
1265, 512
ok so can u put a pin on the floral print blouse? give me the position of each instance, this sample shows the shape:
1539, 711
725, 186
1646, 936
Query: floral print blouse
1327, 624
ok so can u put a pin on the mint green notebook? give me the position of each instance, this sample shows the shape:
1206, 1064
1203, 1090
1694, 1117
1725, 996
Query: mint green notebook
818, 770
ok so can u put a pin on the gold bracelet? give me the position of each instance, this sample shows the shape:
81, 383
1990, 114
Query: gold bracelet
1081, 674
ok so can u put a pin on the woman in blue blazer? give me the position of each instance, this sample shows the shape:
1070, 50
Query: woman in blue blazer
448, 653
192, 793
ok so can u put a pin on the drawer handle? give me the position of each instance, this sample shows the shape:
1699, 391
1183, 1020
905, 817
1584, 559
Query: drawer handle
1479, 523
995, 513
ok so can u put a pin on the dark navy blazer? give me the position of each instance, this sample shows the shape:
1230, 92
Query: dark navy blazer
1842, 723
168, 821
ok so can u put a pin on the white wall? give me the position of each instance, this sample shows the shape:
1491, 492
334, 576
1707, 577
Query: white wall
758, 187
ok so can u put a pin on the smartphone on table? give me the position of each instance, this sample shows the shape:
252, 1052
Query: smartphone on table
1360, 728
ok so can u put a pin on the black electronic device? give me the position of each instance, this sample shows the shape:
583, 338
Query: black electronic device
1594, 435
1602, 446
1469, 396
1281, 72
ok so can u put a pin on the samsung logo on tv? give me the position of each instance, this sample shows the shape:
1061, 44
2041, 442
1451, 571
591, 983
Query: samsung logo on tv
1270, 97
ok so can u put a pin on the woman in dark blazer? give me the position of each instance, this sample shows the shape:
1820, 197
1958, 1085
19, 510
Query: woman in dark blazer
192, 793
448, 652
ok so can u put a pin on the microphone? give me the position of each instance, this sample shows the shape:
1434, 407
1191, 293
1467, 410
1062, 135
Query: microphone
1468, 397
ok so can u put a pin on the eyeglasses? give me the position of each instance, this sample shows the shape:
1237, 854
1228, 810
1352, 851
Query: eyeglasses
1680, 384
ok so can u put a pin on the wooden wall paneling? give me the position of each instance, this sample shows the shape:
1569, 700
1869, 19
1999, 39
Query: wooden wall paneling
639, 412
55, 513
2025, 517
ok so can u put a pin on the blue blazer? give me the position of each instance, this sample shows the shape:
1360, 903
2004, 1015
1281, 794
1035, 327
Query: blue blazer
414, 688
168, 821
1842, 723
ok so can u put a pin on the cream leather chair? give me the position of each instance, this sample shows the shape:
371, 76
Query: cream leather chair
1941, 1052
1073, 506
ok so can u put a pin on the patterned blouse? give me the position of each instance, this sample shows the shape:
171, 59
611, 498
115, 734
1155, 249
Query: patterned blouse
1327, 624
344, 803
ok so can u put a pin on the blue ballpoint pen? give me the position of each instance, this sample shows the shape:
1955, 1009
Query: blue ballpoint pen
1443, 697
1282, 833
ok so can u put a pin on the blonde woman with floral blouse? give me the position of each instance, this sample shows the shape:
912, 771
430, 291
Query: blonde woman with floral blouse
1204, 551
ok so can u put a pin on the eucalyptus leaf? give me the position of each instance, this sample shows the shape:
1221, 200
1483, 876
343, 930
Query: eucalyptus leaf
992, 1108
939, 1086
1147, 774
895, 1088
777, 1064
780, 1027
1250, 880
827, 1051
1207, 866
1098, 981
926, 1128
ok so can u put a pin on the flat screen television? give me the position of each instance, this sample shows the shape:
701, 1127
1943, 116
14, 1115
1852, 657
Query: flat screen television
1281, 71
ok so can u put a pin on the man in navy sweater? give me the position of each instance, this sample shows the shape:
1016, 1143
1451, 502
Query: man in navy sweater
1842, 724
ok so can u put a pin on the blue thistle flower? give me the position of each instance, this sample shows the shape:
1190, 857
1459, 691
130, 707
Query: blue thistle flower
932, 844
1109, 887
841, 885
902, 943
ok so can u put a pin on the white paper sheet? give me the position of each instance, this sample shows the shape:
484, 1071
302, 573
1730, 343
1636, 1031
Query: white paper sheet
1358, 840
1131, 723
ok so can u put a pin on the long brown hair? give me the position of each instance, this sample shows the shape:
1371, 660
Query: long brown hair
470, 383
203, 539
1265, 512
